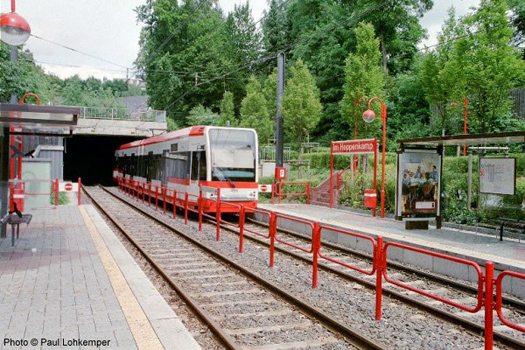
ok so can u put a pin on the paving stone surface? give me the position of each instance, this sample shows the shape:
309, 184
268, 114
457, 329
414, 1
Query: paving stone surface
53, 285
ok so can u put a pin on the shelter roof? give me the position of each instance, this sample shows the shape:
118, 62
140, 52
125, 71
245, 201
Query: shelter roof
472, 139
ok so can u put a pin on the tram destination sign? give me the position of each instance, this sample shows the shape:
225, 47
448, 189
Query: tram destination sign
354, 146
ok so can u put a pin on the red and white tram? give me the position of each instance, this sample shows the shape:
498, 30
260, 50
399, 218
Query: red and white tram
192, 159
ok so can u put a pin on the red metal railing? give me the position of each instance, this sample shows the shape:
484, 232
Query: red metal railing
277, 190
441, 256
273, 234
499, 297
379, 267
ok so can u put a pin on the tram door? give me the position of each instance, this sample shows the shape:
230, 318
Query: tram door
164, 167
149, 164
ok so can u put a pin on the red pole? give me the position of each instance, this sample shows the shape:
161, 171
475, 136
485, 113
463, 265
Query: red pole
465, 110
149, 194
280, 190
79, 190
383, 118
218, 214
165, 190
200, 210
331, 176
174, 204
489, 305
379, 276
241, 229
156, 197
375, 173
56, 193
273, 232
186, 208
13, 6
316, 245
143, 192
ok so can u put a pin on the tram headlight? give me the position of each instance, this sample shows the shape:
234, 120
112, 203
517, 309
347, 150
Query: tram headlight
252, 194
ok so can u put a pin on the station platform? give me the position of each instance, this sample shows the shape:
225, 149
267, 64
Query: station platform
70, 283
479, 248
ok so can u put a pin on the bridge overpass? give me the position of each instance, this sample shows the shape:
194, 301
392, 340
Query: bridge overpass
88, 150
120, 122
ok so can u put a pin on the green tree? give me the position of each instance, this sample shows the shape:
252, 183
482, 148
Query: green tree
276, 27
398, 29
183, 46
200, 115
301, 104
518, 19
484, 67
227, 110
270, 93
437, 84
364, 79
254, 113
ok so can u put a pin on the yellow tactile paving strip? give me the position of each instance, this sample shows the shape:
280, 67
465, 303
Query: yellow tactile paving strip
140, 327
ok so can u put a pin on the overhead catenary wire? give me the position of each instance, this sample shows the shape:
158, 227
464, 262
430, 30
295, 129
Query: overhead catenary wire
80, 52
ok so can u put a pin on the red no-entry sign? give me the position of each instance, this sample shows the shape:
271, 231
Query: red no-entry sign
68, 187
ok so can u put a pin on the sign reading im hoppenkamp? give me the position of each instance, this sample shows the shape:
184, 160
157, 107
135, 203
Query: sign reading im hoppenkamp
354, 146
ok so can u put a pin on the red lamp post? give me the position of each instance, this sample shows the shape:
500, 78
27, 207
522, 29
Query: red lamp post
369, 116
14, 28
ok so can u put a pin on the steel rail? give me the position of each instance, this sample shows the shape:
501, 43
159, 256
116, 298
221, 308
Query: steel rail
352, 336
447, 316
516, 303
204, 315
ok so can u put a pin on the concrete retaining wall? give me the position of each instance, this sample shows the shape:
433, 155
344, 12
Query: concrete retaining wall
436, 265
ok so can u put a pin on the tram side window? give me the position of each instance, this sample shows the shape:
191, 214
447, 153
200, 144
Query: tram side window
178, 165
198, 166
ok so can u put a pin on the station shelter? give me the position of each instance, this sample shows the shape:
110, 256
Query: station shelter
420, 173
17, 121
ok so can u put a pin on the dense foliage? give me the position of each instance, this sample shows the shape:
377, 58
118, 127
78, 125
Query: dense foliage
193, 54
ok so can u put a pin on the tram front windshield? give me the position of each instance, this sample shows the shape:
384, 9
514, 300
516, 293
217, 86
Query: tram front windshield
232, 155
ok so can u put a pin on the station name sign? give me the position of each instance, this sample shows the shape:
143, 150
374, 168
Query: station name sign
354, 146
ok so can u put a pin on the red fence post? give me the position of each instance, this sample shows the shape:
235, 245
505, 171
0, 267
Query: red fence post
200, 210
241, 229
186, 208
149, 194
379, 276
156, 197
56, 192
165, 191
280, 190
79, 190
273, 192
316, 247
143, 193
218, 214
273, 232
174, 203
489, 305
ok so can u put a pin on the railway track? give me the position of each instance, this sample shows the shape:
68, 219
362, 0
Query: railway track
243, 309
513, 308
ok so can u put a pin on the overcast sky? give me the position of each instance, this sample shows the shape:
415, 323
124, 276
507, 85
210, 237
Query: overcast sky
108, 29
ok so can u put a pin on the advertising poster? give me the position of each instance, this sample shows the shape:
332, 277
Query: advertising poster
419, 175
